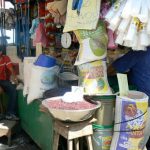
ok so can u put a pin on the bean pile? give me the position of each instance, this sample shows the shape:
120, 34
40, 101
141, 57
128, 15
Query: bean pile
59, 104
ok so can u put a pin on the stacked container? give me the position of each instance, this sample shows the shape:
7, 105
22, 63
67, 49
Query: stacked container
103, 128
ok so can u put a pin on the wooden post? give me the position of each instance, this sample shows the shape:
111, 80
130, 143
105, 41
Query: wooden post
89, 142
38, 49
76, 144
56, 141
70, 144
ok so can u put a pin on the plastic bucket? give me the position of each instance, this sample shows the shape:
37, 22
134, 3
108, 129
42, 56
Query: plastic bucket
45, 61
105, 114
102, 137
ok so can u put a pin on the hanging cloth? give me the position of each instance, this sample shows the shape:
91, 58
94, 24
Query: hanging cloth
35, 23
40, 36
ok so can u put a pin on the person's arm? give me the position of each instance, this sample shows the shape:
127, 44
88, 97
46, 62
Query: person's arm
126, 62
13, 75
9, 66
111, 71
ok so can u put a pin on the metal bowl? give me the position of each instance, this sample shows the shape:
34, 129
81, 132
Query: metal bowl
71, 115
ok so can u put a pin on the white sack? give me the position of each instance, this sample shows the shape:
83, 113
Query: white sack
28, 62
42, 79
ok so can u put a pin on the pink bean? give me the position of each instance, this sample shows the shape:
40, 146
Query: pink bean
59, 104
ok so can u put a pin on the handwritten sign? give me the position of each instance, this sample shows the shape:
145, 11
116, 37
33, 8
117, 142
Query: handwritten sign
87, 19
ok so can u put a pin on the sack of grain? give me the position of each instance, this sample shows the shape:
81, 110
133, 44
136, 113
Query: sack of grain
93, 44
93, 77
42, 79
130, 121
28, 62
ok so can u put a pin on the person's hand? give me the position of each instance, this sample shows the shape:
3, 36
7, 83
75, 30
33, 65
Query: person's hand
1, 90
14, 79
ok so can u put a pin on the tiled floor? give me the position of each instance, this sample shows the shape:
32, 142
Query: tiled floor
20, 141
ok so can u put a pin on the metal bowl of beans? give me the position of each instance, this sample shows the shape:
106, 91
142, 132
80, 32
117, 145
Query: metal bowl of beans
70, 112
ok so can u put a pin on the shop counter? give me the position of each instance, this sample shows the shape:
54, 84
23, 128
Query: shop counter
37, 125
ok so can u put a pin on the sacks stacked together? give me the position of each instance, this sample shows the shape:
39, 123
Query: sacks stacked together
130, 20
41, 76
91, 60
130, 121
93, 77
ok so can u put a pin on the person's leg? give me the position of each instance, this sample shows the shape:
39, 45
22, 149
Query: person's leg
12, 95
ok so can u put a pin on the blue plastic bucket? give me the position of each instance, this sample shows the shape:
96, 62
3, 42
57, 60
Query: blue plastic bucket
45, 61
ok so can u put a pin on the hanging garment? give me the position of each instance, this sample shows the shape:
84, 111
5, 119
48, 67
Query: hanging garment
35, 23
40, 36
10, 18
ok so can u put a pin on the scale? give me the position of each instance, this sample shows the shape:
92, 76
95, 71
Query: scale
66, 40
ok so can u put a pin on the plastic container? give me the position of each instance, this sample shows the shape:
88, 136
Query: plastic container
105, 114
67, 79
102, 137
45, 61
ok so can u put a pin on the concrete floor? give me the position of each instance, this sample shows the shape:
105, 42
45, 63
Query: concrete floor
20, 141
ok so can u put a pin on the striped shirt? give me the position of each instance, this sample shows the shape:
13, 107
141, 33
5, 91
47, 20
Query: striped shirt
5, 63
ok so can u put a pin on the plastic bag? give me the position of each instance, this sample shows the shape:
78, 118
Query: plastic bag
94, 78
93, 43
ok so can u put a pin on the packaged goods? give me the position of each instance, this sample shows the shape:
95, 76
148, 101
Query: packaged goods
129, 19
130, 121
93, 77
93, 44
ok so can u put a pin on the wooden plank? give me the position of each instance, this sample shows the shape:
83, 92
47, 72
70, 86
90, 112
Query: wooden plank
75, 130
56, 141
72, 124
79, 131
6, 126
